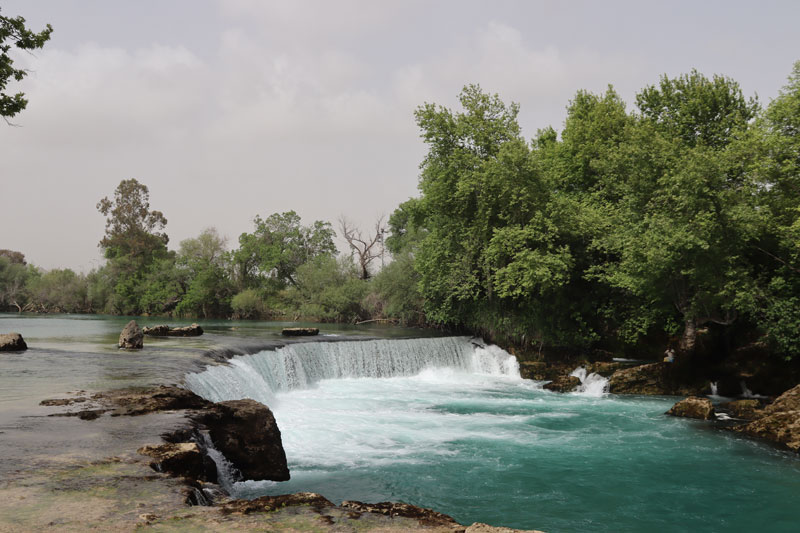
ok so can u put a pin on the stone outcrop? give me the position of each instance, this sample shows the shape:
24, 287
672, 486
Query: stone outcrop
542, 371
299, 332
132, 337
748, 409
180, 459
245, 432
267, 504
655, 378
780, 423
563, 384
693, 407
133, 402
163, 330
12, 342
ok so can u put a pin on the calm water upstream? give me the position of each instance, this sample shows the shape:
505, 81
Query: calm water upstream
437, 422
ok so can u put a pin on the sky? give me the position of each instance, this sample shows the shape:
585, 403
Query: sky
228, 109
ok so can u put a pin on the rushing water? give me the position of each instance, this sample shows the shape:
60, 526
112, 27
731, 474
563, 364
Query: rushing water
447, 424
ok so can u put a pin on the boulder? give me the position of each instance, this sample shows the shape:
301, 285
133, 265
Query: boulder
781, 421
180, 459
163, 330
12, 342
563, 384
748, 409
542, 371
693, 407
299, 332
604, 368
246, 433
134, 402
131, 337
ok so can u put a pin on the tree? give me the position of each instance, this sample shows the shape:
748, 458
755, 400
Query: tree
14, 33
134, 242
270, 255
14, 277
364, 248
205, 262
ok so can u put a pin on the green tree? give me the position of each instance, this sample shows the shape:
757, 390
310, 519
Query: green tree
14, 277
134, 242
269, 256
13, 33
205, 261
327, 289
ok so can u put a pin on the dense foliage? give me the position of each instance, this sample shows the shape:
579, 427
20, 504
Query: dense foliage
627, 228
14, 34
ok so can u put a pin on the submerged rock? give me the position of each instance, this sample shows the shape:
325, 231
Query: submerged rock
132, 337
299, 332
781, 421
12, 342
693, 407
163, 330
245, 432
563, 384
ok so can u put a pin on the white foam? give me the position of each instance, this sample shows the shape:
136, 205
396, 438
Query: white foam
592, 384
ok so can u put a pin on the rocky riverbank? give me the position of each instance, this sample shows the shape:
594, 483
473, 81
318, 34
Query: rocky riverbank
172, 483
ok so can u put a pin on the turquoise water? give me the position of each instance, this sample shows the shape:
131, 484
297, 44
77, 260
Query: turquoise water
463, 435
493, 448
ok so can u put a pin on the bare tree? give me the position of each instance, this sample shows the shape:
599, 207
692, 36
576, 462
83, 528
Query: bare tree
363, 248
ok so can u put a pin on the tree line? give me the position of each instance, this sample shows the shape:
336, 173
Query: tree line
675, 221
282, 269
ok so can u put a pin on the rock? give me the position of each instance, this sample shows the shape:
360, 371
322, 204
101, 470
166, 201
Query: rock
164, 330
180, 459
245, 432
542, 371
693, 407
781, 421
12, 342
131, 337
156, 331
133, 402
563, 384
749, 409
656, 378
58, 402
426, 517
603, 368
266, 504
299, 332
478, 527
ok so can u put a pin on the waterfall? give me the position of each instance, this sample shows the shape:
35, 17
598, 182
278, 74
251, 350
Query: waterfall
591, 384
227, 475
714, 388
297, 366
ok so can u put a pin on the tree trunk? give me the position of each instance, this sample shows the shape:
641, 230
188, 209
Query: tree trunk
689, 337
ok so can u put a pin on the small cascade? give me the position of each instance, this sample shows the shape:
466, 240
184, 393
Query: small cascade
227, 475
714, 389
299, 366
591, 384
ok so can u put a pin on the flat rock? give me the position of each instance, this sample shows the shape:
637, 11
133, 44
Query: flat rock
426, 517
133, 402
163, 330
693, 407
12, 342
132, 337
267, 504
299, 332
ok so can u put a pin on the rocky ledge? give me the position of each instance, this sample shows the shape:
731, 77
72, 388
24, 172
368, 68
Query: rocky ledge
246, 433
778, 422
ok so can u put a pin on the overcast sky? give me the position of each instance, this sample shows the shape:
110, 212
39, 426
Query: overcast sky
231, 108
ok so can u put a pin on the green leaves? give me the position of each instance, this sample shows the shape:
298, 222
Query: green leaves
13, 33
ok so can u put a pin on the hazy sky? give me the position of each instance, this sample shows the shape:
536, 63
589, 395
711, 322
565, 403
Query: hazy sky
231, 108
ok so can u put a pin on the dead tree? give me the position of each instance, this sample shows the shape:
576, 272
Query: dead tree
364, 249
